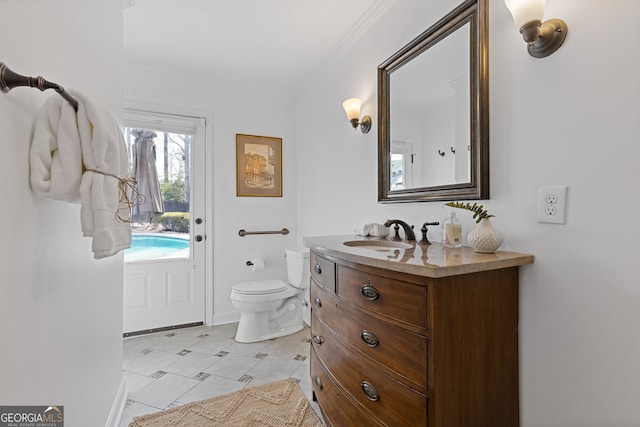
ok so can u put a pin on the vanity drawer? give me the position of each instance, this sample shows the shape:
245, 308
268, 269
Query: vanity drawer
399, 300
374, 338
389, 400
323, 271
337, 409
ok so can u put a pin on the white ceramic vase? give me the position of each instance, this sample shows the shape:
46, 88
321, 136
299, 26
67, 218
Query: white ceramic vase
484, 238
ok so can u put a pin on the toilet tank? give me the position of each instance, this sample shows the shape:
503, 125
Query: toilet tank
298, 267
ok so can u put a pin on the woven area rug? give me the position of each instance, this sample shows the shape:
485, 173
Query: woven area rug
276, 404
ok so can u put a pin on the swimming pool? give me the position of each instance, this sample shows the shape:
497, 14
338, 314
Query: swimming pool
153, 246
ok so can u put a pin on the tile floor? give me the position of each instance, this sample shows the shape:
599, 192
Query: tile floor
172, 368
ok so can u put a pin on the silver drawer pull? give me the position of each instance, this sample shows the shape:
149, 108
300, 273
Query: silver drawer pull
369, 338
319, 383
369, 391
317, 269
317, 339
369, 293
317, 302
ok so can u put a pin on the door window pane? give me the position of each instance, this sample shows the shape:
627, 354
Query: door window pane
161, 223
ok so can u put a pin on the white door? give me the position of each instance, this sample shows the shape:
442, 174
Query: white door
164, 271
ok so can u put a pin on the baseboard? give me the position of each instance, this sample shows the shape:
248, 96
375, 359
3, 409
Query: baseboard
224, 318
115, 415
162, 329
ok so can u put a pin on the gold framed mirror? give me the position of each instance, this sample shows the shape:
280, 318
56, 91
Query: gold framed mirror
433, 107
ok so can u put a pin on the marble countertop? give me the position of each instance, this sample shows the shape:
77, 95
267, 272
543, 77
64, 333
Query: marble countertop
433, 260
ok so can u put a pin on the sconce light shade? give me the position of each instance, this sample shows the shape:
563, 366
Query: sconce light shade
542, 38
352, 108
524, 11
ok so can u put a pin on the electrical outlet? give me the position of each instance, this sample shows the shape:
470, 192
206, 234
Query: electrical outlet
551, 199
552, 205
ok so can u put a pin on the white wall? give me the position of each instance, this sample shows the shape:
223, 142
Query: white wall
570, 119
234, 110
60, 310
439, 135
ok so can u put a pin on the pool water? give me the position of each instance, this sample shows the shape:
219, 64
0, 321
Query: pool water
146, 246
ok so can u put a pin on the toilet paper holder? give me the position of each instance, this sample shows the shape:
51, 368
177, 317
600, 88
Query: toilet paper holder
255, 264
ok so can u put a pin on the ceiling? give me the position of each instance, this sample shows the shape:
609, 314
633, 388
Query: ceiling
272, 44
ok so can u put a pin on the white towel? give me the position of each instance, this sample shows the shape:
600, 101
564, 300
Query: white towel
94, 133
379, 230
363, 229
56, 154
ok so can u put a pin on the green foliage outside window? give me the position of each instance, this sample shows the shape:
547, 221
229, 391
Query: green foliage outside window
175, 221
173, 191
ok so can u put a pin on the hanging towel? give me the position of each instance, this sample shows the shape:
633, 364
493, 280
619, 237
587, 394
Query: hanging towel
104, 155
93, 133
56, 154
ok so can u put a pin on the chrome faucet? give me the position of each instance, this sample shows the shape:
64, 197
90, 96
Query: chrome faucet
408, 229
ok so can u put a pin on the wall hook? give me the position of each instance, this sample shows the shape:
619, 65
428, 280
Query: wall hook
442, 153
453, 150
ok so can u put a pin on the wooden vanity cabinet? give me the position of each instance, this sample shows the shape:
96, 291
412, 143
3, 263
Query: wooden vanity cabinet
398, 349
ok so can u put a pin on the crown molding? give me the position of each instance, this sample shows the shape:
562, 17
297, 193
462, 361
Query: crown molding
376, 11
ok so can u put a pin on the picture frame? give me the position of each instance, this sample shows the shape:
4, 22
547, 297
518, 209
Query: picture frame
258, 166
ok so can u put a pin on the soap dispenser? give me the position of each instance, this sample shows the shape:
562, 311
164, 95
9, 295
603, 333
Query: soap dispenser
452, 231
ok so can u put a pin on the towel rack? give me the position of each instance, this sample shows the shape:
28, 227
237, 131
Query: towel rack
243, 232
10, 79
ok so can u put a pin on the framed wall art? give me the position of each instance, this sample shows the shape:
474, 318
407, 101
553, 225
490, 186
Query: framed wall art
258, 166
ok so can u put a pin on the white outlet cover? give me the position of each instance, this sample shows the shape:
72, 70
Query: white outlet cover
552, 205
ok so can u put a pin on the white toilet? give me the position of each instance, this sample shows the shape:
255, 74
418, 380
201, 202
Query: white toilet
272, 308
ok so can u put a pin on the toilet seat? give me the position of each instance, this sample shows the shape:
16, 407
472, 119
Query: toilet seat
260, 287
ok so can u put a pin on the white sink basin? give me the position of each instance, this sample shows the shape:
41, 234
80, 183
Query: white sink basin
377, 245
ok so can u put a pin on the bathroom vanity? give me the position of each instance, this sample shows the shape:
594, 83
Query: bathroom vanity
407, 334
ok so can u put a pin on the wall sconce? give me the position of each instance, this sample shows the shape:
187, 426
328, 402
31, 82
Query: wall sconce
543, 38
352, 108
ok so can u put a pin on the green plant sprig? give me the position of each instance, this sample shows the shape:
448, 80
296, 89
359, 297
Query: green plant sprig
478, 212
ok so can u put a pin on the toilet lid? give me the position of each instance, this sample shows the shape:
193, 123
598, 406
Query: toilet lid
260, 287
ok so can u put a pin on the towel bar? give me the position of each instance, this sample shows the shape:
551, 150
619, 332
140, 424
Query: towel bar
10, 79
